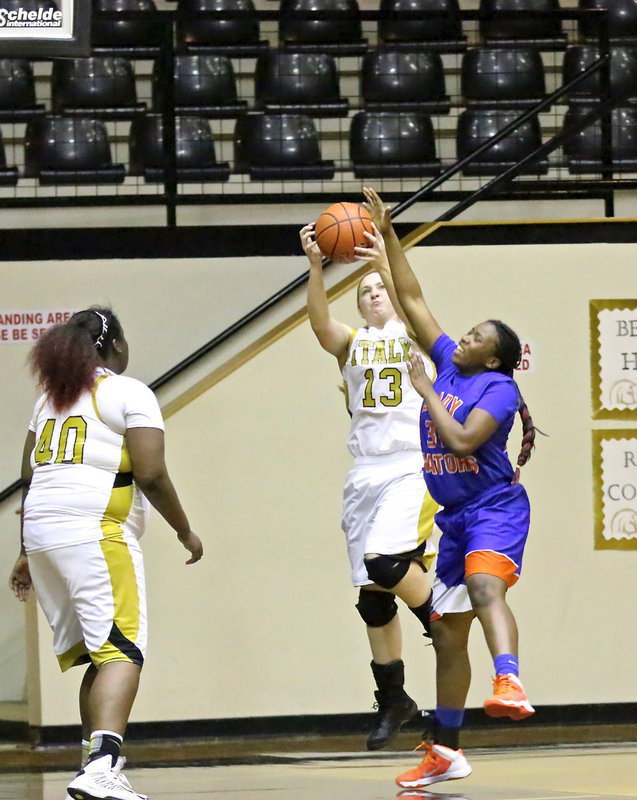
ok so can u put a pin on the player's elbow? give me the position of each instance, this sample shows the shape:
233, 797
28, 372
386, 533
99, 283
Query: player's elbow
461, 446
462, 451
149, 476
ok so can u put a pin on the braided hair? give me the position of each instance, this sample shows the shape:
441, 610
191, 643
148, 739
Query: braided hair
509, 352
65, 357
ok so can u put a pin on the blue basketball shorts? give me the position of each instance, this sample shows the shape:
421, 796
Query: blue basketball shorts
487, 536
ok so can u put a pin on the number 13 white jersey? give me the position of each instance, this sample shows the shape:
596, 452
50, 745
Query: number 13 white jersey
384, 406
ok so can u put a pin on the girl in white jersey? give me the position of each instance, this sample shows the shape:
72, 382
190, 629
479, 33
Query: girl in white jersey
93, 458
387, 512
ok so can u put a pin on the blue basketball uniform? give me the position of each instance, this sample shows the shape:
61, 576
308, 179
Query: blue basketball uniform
455, 481
485, 519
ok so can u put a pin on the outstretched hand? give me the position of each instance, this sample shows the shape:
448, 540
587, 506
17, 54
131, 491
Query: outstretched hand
193, 545
374, 251
417, 373
20, 579
310, 247
379, 212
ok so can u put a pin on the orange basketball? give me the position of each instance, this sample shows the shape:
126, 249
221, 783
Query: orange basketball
340, 229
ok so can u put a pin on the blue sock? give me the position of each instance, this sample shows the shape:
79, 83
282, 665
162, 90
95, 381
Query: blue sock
449, 717
506, 664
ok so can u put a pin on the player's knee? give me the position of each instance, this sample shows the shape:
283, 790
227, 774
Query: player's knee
484, 590
386, 571
445, 640
376, 608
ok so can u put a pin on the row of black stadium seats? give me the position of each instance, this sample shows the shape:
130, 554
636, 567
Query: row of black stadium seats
308, 83
430, 23
298, 29
76, 150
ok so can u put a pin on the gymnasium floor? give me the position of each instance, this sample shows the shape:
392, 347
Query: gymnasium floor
591, 772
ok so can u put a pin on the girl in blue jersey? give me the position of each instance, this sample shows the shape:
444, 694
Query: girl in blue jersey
466, 418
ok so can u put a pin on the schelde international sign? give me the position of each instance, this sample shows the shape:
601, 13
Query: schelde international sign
49, 28
44, 22
30, 18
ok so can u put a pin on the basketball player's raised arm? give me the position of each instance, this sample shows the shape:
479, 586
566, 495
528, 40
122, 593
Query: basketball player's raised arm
403, 282
332, 335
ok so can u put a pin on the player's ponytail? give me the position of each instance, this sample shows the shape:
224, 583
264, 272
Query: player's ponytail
528, 433
65, 357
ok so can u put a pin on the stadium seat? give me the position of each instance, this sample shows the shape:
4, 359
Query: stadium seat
498, 78
99, 86
623, 72
128, 37
204, 85
583, 151
17, 90
521, 29
436, 26
69, 150
8, 175
392, 145
621, 19
298, 83
231, 28
403, 81
476, 126
279, 147
336, 28
195, 150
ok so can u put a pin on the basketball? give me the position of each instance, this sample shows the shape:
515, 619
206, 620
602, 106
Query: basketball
340, 229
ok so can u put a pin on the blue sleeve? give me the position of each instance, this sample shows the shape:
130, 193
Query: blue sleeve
442, 351
500, 399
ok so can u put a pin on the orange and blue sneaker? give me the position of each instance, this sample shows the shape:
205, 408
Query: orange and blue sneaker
439, 764
508, 699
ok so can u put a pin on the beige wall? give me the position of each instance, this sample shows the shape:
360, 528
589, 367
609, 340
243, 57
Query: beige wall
169, 308
265, 625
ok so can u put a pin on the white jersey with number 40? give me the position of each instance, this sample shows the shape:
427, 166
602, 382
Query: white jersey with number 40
82, 488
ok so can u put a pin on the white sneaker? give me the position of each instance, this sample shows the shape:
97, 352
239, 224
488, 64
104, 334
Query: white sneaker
98, 781
118, 770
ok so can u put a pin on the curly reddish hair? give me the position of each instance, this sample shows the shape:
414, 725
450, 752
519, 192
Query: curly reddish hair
65, 357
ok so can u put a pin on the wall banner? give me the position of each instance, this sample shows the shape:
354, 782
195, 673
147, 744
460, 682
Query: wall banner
24, 327
613, 331
615, 489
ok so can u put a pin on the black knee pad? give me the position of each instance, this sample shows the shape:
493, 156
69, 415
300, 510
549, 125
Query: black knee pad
376, 608
386, 571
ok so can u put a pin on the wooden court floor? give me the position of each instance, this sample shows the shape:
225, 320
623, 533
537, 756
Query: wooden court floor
591, 772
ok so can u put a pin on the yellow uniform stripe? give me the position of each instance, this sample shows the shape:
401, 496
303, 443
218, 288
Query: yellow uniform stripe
78, 654
94, 395
426, 525
125, 598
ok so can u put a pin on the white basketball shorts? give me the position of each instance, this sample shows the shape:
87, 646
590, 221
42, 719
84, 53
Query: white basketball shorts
386, 510
94, 598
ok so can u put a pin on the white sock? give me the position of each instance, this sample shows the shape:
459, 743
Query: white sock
105, 742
